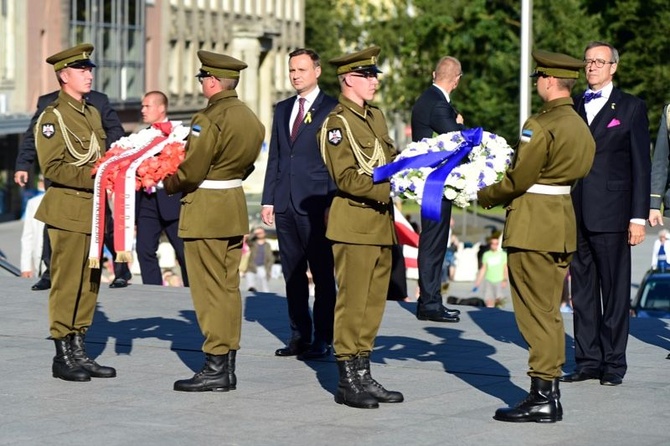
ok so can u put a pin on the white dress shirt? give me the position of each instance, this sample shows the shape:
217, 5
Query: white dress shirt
594, 106
309, 101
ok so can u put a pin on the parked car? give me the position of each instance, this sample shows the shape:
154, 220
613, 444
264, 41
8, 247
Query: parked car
653, 296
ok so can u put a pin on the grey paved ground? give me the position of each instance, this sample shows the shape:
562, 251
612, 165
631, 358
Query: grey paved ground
453, 376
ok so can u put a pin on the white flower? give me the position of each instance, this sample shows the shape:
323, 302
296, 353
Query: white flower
484, 165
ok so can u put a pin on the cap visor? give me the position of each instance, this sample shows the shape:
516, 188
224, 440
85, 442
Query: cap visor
82, 64
371, 70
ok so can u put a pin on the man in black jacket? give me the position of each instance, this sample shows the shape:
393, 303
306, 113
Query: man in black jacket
26, 158
432, 115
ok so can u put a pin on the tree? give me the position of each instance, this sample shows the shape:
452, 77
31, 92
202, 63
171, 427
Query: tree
637, 29
485, 36
323, 29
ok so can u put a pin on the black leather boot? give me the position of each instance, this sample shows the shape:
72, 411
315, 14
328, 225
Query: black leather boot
556, 392
64, 366
78, 346
231, 369
541, 405
350, 391
372, 386
213, 376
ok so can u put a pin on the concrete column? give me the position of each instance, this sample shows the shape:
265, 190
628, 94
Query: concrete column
246, 47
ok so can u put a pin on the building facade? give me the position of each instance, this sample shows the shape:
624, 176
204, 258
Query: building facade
140, 45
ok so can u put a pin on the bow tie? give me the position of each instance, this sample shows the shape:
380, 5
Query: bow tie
590, 95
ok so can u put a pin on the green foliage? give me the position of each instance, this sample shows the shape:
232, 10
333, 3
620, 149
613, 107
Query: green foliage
638, 29
323, 26
485, 36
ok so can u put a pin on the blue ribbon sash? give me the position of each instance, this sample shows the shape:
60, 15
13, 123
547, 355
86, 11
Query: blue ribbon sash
443, 162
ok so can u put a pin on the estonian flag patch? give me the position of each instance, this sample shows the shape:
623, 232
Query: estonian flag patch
195, 131
526, 134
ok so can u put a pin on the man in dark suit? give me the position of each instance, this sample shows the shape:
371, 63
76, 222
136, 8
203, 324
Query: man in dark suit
296, 195
433, 114
26, 158
611, 206
157, 212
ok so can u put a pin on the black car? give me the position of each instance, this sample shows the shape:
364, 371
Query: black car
653, 296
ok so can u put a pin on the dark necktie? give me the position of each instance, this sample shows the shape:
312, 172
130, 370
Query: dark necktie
590, 95
298, 119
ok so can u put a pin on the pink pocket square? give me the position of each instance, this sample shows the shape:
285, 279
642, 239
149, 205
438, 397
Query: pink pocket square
613, 123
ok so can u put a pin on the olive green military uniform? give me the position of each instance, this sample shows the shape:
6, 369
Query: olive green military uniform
69, 138
540, 233
360, 224
224, 142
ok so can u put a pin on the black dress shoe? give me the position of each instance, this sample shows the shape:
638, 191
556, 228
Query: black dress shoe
119, 283
436, 316
42, 284
318, 349
452, 311
294, 348
610, 379
577, 377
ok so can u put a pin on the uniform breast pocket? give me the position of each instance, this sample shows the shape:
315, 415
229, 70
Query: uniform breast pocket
357, 204
389, 142
81, 141
366, 142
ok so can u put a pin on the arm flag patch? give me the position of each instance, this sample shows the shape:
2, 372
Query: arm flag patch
526, 134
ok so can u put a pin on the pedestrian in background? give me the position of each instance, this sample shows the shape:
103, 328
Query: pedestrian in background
260, 263
32, 236
493, 274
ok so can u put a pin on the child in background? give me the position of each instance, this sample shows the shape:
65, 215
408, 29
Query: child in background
493, 274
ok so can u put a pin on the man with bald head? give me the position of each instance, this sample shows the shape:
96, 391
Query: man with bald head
157, 212
433, 114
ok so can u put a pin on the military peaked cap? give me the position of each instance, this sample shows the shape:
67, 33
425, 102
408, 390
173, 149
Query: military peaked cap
361, 61
76, 57
219, 65
556, 65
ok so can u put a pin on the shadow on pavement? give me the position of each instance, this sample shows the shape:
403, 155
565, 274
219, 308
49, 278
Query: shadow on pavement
271, 312
184, 335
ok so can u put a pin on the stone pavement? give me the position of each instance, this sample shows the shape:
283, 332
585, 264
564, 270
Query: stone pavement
453, 376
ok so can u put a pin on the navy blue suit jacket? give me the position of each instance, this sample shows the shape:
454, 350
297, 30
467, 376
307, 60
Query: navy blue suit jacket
165, 206
433, 113
617, 187
296, 172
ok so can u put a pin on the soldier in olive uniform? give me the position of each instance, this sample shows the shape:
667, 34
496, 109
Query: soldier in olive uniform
224, 142
69, 139
540, 235
354, 140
